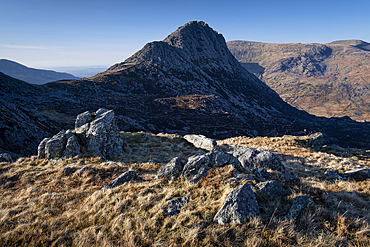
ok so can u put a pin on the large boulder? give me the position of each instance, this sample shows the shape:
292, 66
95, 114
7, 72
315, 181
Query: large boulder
252, 158
102, 137
72, 147
197, 167
55, 146
123, 178
171, 170
200, 141
239, 207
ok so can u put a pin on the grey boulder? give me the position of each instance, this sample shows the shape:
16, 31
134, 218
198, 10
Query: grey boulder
239, 207
252, 158
200, 141
171, 170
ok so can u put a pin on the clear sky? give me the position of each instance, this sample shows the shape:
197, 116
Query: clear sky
52, 33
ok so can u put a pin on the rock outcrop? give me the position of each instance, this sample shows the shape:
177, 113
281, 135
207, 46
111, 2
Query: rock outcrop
96, 132
252, 158
239, 207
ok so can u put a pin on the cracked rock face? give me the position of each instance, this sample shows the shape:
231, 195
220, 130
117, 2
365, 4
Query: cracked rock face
97, 132
239, 207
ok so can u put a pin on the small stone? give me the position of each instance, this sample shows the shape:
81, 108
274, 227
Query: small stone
173, 206
197, 167
41, 148
123, 178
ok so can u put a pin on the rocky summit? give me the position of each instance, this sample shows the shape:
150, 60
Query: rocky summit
189, 83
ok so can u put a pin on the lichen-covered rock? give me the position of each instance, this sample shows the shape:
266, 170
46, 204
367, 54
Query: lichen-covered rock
72, 147
54, 147
5, 157
82, 119
299, 203
251, 158
197, 167
289, 177
258, 175
103, 136
41, 148
200, 141
171, 170
173, 206
239, 207
270, 190
123, 178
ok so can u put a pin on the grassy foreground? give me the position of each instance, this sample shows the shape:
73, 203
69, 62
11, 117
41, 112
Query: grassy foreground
40, 205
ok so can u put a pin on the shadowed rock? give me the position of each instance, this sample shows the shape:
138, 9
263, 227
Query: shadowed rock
270, 190
239, 207
171, 170
5, 157
299, 203
123, 178
54, 147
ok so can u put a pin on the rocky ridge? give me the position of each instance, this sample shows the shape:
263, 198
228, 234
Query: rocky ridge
31, 75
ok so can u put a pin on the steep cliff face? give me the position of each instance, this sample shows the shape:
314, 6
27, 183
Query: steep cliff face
329, 80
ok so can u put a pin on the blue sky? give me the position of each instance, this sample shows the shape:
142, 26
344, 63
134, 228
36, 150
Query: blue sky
50, 33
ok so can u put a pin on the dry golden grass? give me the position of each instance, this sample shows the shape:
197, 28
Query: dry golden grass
42, 206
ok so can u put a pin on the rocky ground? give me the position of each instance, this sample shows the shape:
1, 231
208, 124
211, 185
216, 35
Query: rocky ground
171, 190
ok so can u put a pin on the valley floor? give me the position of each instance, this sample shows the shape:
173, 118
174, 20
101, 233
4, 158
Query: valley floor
44, 204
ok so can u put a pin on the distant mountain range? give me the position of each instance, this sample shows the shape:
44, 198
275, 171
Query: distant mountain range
187, 83
331, 80
30, 75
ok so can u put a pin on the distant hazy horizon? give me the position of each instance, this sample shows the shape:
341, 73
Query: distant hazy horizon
47, 34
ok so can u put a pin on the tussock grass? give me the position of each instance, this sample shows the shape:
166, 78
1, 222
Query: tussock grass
41, 205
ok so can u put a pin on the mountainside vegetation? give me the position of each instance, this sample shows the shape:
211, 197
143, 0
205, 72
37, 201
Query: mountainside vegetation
330, 80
